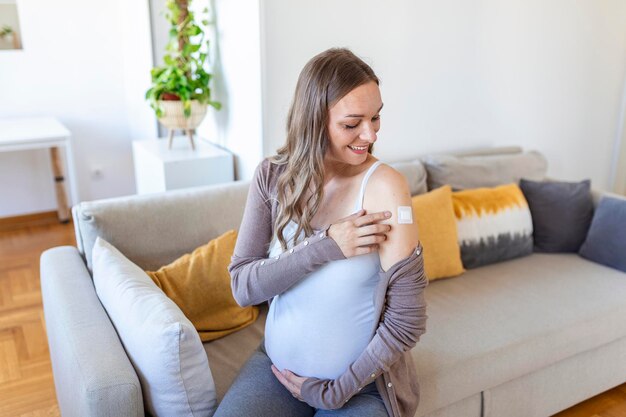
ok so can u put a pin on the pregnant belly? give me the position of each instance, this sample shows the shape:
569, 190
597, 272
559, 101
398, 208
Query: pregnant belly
321, 325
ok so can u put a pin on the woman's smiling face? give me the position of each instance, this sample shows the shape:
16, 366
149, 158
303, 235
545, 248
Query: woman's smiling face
353, 123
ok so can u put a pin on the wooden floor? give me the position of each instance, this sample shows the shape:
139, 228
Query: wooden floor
26, 385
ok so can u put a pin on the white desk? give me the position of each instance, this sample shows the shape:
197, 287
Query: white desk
19, 134
158, 168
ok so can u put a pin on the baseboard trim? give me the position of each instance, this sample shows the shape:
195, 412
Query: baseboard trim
29, 220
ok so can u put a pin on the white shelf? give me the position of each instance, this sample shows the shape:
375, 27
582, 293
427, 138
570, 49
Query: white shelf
158, 168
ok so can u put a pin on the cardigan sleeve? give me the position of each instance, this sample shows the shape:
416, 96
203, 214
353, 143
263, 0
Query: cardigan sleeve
255, 278
403, 322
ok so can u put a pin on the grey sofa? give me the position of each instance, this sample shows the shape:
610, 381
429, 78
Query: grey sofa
522, 338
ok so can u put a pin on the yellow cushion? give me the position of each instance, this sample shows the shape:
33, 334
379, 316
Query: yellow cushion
438, 233
199, 283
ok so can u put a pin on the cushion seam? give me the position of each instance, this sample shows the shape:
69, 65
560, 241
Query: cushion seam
180, 373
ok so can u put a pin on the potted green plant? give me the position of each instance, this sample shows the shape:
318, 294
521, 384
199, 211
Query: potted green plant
180, 90
6, 31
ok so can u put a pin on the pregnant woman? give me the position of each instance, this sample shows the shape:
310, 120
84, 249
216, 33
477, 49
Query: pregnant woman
328, 239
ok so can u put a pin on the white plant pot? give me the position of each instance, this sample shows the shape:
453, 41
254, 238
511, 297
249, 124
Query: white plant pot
174, 117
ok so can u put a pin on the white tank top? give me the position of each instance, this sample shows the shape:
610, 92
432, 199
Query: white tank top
318, 327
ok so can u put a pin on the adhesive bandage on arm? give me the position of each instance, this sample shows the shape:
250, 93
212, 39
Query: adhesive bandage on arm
405, 215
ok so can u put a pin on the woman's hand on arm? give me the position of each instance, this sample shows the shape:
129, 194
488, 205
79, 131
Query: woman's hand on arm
360, 233
256, 278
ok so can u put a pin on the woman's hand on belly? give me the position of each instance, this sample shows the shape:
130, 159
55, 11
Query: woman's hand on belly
359, 233
290, 380
329, 393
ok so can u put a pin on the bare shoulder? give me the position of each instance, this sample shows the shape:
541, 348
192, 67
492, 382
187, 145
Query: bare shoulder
388, 189
386, 179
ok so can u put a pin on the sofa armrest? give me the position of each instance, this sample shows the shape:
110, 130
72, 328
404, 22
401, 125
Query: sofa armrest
92, 373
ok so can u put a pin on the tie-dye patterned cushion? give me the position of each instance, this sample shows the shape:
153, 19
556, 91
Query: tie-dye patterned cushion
494, 224
437, 231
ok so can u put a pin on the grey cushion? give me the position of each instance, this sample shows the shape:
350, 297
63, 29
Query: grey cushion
606, 240
561, 212
501, 321
483, 171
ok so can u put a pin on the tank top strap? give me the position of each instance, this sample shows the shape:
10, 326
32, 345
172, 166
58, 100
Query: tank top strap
359, 203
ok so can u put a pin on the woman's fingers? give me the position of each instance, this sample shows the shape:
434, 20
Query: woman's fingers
360, 233
372, 217
371, 240
296, 383
281, 377
373, 229
290, 380
352, 216
363, 250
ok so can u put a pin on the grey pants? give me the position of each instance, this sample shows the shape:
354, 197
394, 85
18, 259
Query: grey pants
256, 392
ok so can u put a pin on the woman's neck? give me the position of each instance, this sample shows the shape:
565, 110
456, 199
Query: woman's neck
334, 170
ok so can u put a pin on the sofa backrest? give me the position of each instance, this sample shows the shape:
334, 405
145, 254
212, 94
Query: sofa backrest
597, 195
154, 229
474, 171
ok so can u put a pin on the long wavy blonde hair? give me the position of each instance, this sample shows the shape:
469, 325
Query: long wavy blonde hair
324, 80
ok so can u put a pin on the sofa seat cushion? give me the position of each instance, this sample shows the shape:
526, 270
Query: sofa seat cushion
509, 319
228, 354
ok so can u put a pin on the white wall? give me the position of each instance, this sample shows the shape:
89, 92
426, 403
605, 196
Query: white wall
459, 74
82, 63
455, 74
618, 171
236, 65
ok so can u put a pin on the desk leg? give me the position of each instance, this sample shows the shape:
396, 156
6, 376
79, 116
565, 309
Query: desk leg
59, 180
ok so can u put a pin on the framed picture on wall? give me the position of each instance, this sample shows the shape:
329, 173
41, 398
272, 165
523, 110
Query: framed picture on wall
10, 33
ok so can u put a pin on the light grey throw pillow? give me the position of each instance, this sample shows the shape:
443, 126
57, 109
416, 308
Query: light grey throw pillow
466, 172
415, 174
160, 341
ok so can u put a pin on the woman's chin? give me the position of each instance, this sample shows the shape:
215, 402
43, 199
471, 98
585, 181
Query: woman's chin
349, 158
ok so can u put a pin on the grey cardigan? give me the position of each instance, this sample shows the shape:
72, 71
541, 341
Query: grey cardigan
398, 301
